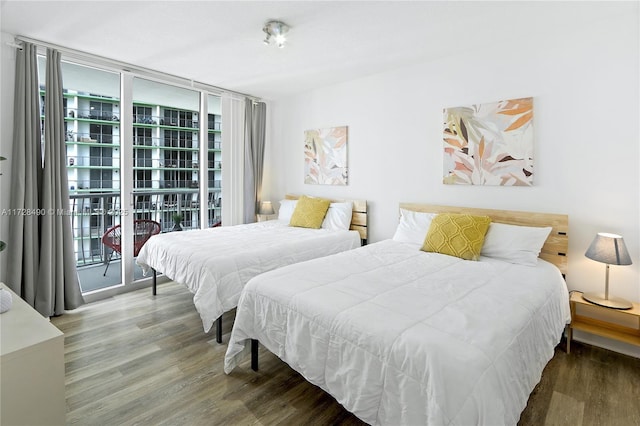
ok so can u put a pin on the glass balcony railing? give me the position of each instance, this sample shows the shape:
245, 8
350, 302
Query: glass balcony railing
93, 214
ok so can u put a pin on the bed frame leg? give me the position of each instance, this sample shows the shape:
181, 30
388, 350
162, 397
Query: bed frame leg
219, 329
254, 354
155, 281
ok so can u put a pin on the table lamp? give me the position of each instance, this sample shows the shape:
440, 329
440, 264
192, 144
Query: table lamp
611, 250
266, 209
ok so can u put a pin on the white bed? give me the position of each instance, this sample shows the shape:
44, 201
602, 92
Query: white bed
401, 336
216, 263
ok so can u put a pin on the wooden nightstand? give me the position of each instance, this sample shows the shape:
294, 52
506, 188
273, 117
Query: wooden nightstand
603, 328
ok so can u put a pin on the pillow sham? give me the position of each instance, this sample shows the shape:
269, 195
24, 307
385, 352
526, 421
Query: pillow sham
338, 216
515, 243
459, 235
286, 210
413, 226
309, 212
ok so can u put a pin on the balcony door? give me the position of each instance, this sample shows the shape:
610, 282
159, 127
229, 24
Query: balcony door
137, 149
92, 106
165, 146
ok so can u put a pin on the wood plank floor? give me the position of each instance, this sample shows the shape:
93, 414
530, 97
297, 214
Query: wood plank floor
135, 359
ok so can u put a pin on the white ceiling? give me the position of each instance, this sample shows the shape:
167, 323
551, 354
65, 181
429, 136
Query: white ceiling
220, 42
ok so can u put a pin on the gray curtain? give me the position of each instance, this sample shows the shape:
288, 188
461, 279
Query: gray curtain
23, 244
42, 263
254, 141
58, 287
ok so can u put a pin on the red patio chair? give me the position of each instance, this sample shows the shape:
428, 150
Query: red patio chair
143, 230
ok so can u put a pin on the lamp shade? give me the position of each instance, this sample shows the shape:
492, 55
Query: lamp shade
266, 208
610, 249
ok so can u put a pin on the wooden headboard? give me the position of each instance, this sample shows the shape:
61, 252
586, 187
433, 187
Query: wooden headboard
358, 215
555, 247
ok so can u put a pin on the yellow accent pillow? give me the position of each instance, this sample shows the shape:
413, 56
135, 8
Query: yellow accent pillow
460, 235
309, 212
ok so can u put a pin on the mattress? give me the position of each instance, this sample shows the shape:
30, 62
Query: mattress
216, 263
400, 336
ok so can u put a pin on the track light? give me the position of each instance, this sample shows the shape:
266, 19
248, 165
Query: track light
276, 31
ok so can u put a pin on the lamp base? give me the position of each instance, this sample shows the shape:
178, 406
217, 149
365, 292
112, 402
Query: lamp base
611, 302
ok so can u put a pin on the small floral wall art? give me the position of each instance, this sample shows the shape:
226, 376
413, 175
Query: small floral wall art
489, 144
325, 156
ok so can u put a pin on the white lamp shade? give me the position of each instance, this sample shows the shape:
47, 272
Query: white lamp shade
266, 208
610, 249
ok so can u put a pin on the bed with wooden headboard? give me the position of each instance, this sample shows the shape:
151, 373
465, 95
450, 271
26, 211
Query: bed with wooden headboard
398, 335
216, 263
358, 215
555, 247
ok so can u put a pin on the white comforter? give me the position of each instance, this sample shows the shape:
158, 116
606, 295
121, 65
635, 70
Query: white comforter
216, 263
399, 336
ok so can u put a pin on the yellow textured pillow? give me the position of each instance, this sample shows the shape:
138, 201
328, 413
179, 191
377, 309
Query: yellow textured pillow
309, 212
460, 235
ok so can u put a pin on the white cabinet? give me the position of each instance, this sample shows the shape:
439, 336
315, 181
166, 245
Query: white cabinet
31, 368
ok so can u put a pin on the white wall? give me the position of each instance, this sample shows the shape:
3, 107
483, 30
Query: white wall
586, 122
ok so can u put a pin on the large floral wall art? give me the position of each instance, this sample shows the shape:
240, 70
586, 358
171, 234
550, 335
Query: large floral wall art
325, 156
489, 144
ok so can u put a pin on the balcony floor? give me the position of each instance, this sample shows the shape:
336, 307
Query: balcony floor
91, 278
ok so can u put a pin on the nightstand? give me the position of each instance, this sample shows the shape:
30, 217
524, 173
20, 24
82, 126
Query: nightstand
603, 328
32, 365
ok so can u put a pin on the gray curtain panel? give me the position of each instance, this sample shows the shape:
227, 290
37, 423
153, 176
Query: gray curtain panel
41, 263
254, 141
58, 287
23, 244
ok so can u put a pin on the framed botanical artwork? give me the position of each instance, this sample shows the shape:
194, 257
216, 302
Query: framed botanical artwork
325, 156
489, 144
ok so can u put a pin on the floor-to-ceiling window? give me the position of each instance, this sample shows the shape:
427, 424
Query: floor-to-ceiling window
92, 137
166, 149
164, 143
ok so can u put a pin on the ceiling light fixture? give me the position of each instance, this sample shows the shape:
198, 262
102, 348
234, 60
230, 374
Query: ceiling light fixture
276, 31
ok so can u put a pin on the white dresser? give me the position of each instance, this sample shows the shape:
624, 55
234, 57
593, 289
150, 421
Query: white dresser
31, 368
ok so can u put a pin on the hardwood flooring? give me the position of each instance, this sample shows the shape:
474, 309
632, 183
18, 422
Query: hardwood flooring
135, 359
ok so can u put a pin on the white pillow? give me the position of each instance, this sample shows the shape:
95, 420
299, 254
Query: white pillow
286, 210
338, 216
514, 243
413, 226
